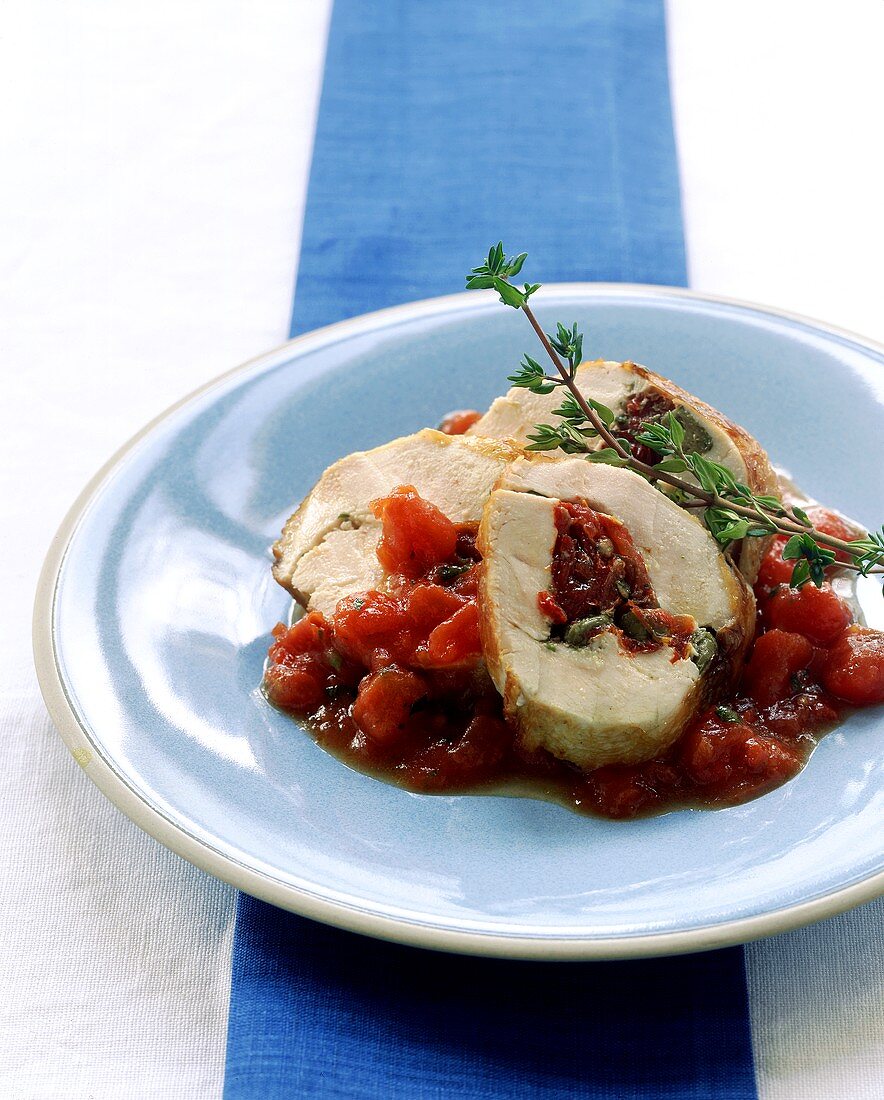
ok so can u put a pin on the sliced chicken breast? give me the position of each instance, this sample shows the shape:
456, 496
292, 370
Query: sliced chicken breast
619, 385
514, 415
602, 702
327, 549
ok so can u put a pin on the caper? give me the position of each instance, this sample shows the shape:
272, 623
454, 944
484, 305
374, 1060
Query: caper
582, 631
605, 548
704, 648
633, 627
659, 628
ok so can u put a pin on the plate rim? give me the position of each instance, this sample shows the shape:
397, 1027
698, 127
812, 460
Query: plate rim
114, 785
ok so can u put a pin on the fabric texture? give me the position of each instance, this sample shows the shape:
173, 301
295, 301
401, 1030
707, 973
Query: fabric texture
318, 1013
445, 127
157, 157
441, 129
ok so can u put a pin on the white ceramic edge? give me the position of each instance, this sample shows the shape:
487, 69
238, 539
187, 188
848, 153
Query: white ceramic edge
127, 799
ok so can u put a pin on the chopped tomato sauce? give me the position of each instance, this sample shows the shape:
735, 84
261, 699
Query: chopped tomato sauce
394, 680
459, 421
728, 754
777, 570
416, 535
853, 669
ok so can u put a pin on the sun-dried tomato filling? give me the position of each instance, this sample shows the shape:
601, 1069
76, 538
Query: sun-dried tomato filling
600, 582
649, 404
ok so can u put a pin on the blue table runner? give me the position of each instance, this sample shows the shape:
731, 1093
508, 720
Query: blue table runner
444, 127
319, 1013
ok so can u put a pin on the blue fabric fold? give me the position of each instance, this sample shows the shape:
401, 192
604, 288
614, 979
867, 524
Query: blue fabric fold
442, 128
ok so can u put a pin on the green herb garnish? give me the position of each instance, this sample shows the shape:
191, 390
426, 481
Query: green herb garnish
451, 572
730, 509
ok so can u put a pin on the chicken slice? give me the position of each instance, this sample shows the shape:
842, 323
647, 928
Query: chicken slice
327, 549
602, 703
514, 415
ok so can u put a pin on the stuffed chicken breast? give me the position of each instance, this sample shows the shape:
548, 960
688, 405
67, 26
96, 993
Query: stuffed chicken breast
328, 548
636, 394
609, 615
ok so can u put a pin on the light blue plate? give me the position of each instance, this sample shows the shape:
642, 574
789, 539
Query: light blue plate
156, 602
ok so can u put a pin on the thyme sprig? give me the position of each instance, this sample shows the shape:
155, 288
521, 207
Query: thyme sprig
730, 509
495, 274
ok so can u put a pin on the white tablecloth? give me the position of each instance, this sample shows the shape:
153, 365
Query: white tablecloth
154, 171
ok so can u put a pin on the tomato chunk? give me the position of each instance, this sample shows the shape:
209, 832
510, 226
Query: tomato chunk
800, 716
471, 758
623, 791
297, 685
854, 667
774, 570
424, 625
304, 664
830, 523
776, 658
458, 421
365, 625
817, 613
731, 757
416, 535
453, 642
308, 635
430, 604
383, 706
